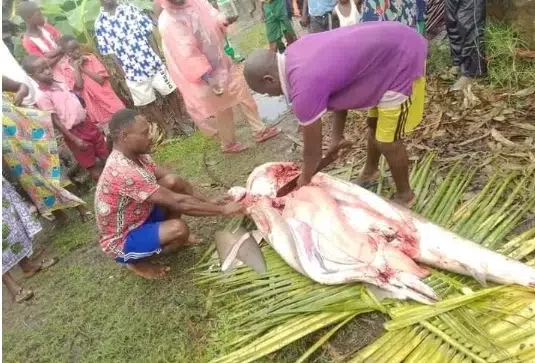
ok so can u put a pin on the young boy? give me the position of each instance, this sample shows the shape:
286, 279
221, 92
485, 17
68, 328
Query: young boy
83, 138
125, 33
275, 15
40, 38
86, 76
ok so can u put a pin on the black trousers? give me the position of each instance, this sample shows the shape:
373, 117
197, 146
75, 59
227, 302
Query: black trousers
465, 23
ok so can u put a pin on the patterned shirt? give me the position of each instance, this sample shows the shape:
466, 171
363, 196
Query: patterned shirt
121, 199
126, 34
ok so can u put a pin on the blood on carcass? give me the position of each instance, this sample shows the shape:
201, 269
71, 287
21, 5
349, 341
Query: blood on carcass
282, 173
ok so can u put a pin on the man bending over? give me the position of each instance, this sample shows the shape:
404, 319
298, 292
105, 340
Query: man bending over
378, 66
139, 204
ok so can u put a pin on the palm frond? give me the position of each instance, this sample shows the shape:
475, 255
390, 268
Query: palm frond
469, 324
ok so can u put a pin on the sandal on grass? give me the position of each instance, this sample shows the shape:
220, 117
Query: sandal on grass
43, 265
87, 216
23, 295
234, 148
266, 134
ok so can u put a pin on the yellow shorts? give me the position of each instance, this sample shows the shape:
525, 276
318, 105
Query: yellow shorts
394, 123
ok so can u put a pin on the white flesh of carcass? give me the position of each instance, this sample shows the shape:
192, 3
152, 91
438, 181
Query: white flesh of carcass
337, 232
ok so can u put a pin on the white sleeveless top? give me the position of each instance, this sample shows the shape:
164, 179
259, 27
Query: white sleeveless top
353, 17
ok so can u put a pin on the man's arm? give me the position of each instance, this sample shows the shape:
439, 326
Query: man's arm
304, 15
312, 151
185, 187
192, 206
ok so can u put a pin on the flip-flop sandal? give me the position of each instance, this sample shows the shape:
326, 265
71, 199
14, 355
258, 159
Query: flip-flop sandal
267, 134
23, 295
234, 148
43, 265
368, 184
87, 216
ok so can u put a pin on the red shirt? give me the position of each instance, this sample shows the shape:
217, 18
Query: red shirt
101, 101
42, 44
121, 199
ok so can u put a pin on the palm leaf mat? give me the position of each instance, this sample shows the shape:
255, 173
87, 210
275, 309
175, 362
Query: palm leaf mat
471, 323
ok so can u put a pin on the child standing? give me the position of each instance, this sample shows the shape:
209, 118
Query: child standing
87, 76
83, 138
278, 24
40, 38
347, 12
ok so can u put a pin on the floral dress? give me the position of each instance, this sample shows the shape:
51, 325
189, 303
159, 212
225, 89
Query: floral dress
18, 228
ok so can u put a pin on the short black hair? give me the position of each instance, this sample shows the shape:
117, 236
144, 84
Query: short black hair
121, 120
28, 63
65, 39
26, 9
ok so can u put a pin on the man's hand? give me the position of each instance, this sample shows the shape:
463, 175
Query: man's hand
80, 144
304, 21
233, 209
303, 180
21, 94
217, 89
222, 200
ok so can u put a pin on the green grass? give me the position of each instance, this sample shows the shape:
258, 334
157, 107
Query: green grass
251, 39
185, 154
505, 69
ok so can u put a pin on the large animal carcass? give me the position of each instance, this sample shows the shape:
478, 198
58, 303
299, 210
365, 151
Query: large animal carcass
336, 232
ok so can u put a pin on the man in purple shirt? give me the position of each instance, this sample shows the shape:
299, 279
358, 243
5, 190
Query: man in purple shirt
379, 66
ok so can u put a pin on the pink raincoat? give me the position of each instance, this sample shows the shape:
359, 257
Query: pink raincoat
193, 37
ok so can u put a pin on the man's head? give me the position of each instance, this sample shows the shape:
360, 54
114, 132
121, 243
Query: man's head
70, 46
108, 4
262, 72
30, 13
38, 68
130, 132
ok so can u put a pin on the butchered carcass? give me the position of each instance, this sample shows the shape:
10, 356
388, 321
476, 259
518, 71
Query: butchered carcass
337, 232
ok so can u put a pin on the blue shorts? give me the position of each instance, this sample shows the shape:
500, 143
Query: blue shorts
144, 241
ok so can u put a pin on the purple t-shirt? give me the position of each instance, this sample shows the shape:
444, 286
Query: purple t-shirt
352, 67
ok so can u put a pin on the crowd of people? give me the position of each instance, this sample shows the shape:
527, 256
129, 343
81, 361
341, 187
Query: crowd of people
61, 94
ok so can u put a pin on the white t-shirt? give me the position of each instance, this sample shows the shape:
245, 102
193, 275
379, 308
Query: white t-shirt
12, 69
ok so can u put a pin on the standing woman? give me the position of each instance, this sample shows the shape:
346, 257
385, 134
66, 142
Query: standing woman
193, 35
18, 230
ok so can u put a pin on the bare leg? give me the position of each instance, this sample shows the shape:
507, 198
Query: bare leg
273, 46
61, 217
339, 123
28, 266
95, 172
15, 288
85, 215
371, 169
398, 161
290, 37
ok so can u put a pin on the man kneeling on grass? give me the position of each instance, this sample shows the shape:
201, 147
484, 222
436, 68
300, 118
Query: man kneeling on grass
139, 204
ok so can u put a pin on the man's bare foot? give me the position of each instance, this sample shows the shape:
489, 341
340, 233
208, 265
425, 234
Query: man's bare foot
148, 270
406, 200
367, 179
